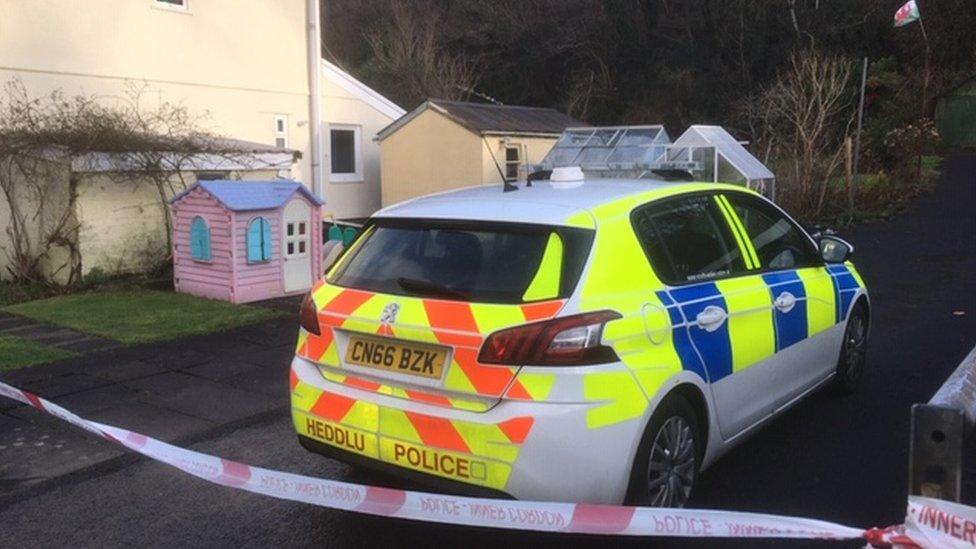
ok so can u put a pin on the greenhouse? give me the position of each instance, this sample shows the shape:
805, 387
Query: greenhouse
721, 158
618, 149
702, 153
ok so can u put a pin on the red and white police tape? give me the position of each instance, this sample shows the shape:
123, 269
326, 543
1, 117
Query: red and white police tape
929, 523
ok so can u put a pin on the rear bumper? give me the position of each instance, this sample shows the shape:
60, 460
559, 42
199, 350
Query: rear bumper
438, 484
523, 449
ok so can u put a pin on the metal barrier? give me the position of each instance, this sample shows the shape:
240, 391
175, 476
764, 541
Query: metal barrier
937, 436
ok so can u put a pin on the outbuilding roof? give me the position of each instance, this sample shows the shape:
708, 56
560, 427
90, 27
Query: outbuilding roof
251, 195
487, 118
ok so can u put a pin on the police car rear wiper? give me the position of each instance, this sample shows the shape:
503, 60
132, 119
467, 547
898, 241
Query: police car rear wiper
429, 288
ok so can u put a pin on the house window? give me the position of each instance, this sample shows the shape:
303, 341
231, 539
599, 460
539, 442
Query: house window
513, 160
180, 5
346, 153
281, 131
258, 240
200, 240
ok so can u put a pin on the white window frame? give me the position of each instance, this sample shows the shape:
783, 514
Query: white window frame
183, 8
296, 239
281, 130
506, 162
356, 176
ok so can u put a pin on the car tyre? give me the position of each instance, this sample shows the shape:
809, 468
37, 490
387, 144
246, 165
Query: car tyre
668, 459
853, 351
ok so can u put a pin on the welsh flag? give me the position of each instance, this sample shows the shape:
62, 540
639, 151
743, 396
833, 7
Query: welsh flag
907, 14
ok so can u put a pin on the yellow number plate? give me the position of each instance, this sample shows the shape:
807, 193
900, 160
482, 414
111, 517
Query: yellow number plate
396, 356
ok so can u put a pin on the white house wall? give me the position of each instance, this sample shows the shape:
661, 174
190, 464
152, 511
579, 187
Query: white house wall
237, 67
39, 226
340, 105
122, 221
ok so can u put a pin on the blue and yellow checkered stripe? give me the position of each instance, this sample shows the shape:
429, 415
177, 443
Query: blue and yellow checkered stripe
846, 283
755, 329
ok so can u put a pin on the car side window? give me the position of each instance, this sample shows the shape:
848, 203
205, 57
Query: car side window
687, 240
779, 243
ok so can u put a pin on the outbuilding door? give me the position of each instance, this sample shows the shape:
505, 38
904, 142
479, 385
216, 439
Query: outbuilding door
297, 246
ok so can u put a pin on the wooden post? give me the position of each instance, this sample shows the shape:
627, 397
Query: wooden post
849, 172
851, 190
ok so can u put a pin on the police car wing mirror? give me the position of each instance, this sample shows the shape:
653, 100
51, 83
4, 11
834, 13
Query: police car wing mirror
835, 250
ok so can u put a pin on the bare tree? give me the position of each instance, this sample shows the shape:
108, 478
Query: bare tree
175, 144
802, 119
47, 143
410, 51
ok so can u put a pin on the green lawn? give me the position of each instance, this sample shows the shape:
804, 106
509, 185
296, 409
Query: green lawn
141, 316
16, 353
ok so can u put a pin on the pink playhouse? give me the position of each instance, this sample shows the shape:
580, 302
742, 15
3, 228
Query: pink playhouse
246, 241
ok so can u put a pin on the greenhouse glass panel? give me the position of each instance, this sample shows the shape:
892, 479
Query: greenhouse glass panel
603, 138
574, 138
563, 156
639, 136
627, 155
727, 173
677, 154
594, 155
705, 156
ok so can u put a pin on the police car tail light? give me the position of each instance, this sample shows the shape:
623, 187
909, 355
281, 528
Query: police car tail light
567, 341
309, 317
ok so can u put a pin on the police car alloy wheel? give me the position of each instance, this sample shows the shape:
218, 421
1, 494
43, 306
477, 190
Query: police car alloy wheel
667, 463
850, 368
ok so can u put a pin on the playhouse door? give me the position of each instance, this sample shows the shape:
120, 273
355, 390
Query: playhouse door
297, 246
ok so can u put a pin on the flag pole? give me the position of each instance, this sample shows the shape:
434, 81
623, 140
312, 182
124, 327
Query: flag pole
925, 84
928, 55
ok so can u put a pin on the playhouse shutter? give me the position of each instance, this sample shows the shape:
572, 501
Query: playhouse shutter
259, 240
200, 240
265, 239
254, 234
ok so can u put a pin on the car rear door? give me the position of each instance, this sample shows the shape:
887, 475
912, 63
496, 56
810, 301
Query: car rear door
716, 302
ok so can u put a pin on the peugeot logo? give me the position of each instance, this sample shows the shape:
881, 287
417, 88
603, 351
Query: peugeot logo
390, 313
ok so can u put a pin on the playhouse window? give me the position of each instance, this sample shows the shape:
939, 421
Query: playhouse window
258, 240
200, 239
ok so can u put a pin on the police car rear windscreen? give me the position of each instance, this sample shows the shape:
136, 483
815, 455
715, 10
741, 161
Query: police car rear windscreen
466, 261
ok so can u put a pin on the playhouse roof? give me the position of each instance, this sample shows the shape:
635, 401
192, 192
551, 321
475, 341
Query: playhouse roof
251, 195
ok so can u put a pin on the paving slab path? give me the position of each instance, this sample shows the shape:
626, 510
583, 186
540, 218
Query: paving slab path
52, 335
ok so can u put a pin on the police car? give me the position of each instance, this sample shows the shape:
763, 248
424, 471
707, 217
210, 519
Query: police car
583, 340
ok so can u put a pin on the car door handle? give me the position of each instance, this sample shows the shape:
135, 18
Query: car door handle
711, 318
785, 302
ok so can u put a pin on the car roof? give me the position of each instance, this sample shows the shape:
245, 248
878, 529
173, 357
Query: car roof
542, 203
